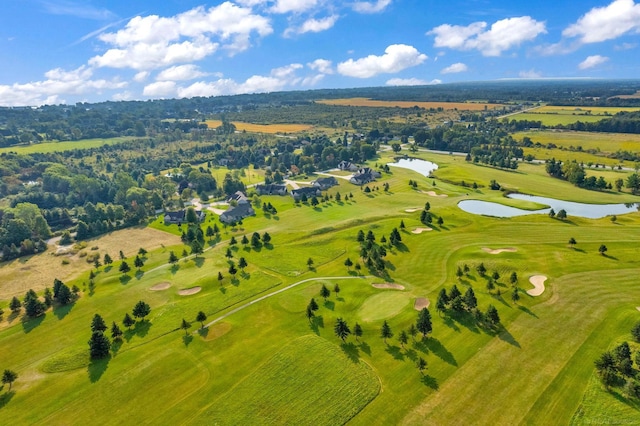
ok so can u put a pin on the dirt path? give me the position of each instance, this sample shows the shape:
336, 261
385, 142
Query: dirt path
266, 296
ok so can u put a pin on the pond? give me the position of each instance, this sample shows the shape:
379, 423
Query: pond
590, 211
420, 166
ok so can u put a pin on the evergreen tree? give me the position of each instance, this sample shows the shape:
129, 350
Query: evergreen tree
515, 295
172, 257
313, 304
423, 324
15, 305
403, 338
513, 279
385, 331
470, 300
341, 329
492, 315
309, 313
421, 364
33, 306
324, 292
98, 324
138, 262
242, 263
201, 318
141, 310
116, 333
348, 263
357, 331
99, 345
128, 321
185, 326
336, 289
124, 267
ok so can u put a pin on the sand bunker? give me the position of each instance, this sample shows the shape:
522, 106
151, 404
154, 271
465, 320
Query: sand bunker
500, 250
415, 209
538, 284
433, 194
160, 286
389, 285
421, 302
189, 291
421, 230
638, 308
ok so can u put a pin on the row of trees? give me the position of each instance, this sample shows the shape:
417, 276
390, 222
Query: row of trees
99, 343
34, 306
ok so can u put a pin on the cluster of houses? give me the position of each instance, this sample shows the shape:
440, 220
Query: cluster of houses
240, 205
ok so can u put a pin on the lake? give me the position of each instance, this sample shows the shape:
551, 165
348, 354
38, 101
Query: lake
420, 166
590, 211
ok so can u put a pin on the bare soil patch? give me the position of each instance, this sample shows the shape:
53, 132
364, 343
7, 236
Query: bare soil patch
538, 284
160, 286
421, 302
189, 291
388, 285
413, 210
500, 250
421, 230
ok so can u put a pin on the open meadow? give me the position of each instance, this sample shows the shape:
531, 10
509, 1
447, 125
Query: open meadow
364, 102
258, 358
556, 115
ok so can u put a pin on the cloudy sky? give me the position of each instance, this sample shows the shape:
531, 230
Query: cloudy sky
66, 51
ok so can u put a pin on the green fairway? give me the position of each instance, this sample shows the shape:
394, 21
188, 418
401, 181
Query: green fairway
308, 382
263, 361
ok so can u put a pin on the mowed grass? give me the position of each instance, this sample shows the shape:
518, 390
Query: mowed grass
47, 147
534, 370
604, 142
555, 115
308, 382
365, 102
263, 128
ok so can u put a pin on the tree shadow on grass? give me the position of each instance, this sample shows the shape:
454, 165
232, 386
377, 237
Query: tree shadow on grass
527, 310
429, 381
440, 351
139, 275
199, 261
364, 346
351, 351
29, 323
395, 352
235, 282
505, 336
449, 322
115, 346
97, 367
203, 332
329, 304
61, 311
140, 329
4, 399
411, 354
187, 339
245, 275
174, 268
107, 269
466, 319
402, 247
316, 323
124, 279
223, 290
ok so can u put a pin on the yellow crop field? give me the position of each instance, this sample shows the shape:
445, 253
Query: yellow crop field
365, 102
263, 128
605, 142
586, 110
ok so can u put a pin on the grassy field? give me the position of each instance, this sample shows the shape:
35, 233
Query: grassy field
47, 147
364, 102
603, 142
263, 128
555, 115
263, 362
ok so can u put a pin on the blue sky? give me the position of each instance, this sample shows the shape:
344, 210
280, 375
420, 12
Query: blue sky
67, 51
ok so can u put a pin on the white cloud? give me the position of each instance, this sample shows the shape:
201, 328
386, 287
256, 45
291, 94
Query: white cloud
85, 11
180, 72
397, 57
317, 25
411, 82
530, 74
606, 23
58, 83
454, 68
321, 65
123, 96
297, 6
369, 7
625, 46
312, 80
503, 35
141, 76
160, 89
153, 42
592, 61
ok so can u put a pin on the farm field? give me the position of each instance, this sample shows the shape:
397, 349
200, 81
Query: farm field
46, 147
263, 128
364, 102
258, 359
555, 115
602, 142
